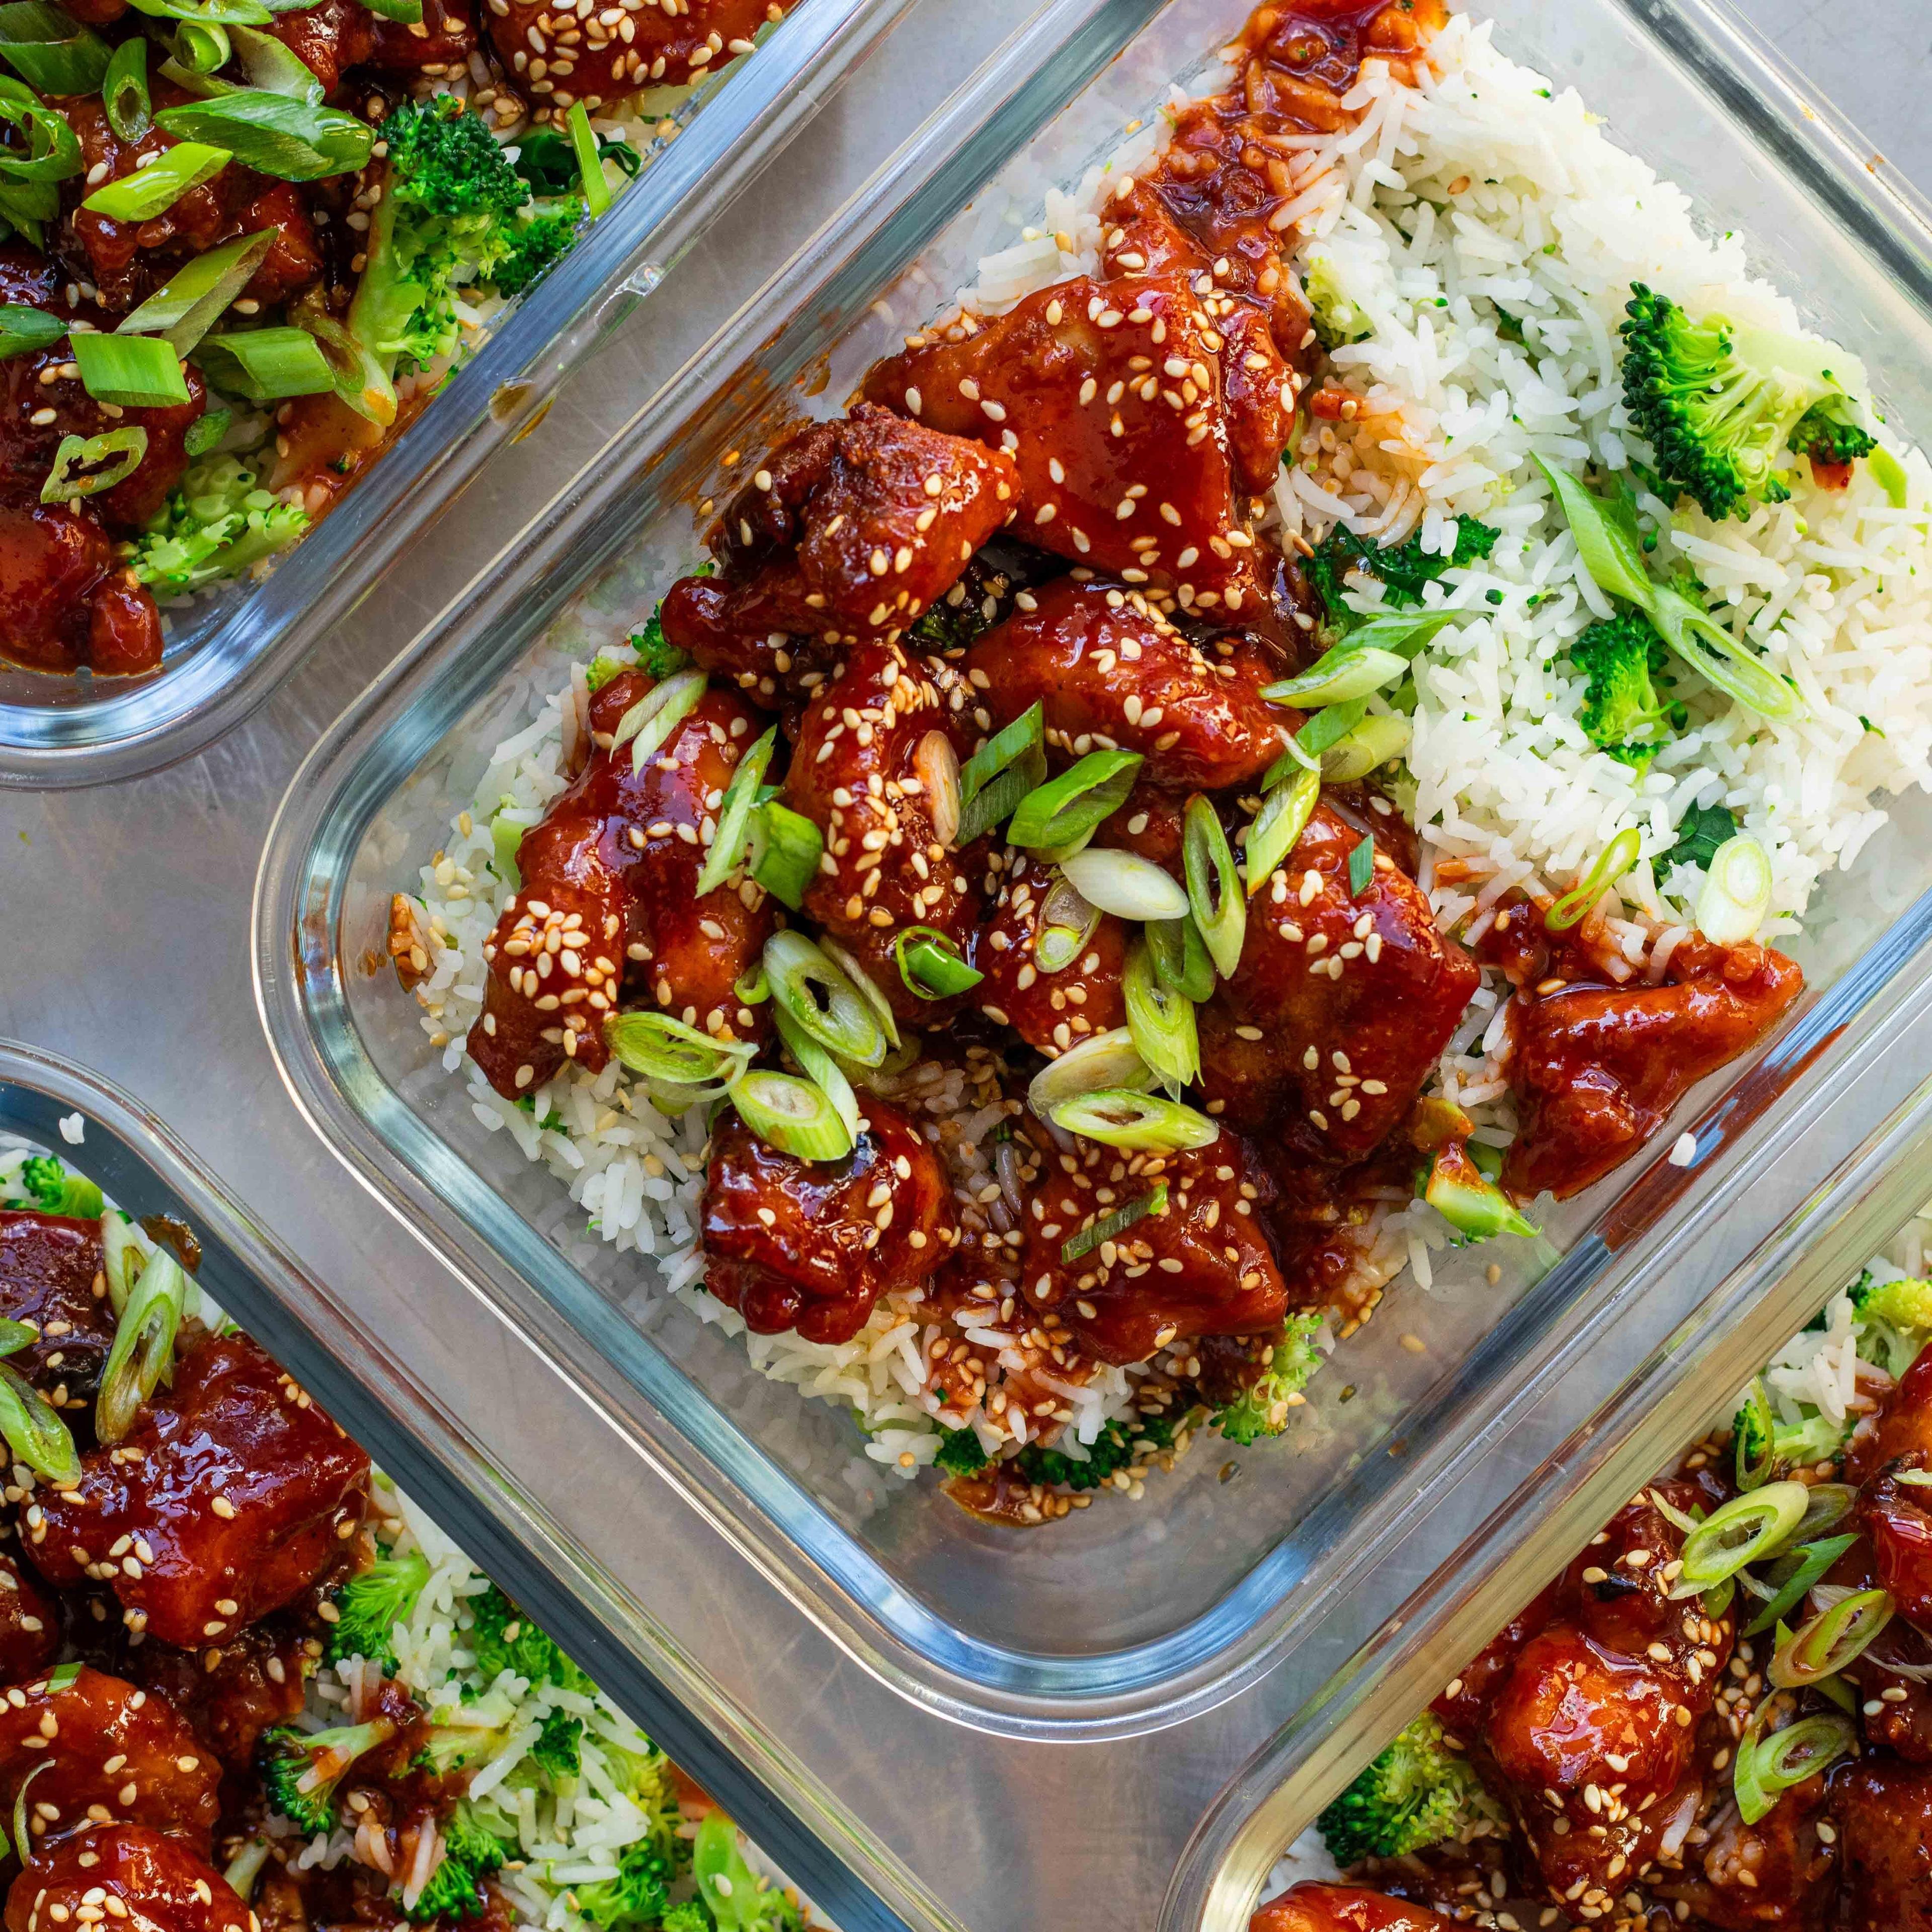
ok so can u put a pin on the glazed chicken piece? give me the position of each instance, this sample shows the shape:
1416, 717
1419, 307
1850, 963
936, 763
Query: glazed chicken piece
1903, 1428
1112, 673
608, 900
132, 1876
64, 602
112, 1751
1900, 1526
1127, 466
231, 1495
863, 772
1883, 1814
1598, 1069
1341, 1006
1343, 1908
1776, 1873
49, 1265
848, 533
339, 34
30, 1622
229, 1693
811, 1245
559, 56
1304, 57
1200, 1266
1050, 1009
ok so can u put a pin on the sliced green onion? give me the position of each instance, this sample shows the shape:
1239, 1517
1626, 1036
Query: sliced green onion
1000, 774
22, 1843
1746, 1530
660, 1048
1612, 863
1468, 1201
785, 848
1813, 1559
273, 65
201, 86
1606, 536
734, 815
1372, 743
931, 965
124, 91
1125, 884
1825, 1505
589, 168
1102, 1062
1347, 671
791, 1115
15, 1336
1831, 1640
84, 465
1180, 957
656, 714
143, 1353
1066, 923
1755, 1423
195, 295
265, 365
752, 988
1736, 893
822, 999
34, 1431
50, 50
869, 989
202, 46
136, 371
1361, 866
820, 1068
1716, 656
1070, 808
1786, 1758
25, 331
1888, 473
1279, 825
1116, 1222
407, 13
1305, 750
151, 190
506, 840
1161, 1022
208, 13
126, 1248
1214, 895
1121, 1117
26, 205
292, 140
245, 1867
53, 152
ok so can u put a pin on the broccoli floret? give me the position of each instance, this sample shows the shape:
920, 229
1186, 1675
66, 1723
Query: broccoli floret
637, 1896
302, 1771
655, 657
502, 1638
600, 670
558, 1751
1417, 1792
1717, 401
688, 1915
55, 1191
1700, 832
369, 1607
217, 523
533, 246
445, 1748
446, 161
960, 1454
1404, 568
470, 1853
1621, 711
1115, 1448
1335, 318
1261, 1408
1829, 432
1897, 1316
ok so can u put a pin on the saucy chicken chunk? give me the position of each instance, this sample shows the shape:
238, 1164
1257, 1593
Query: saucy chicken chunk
129, 1874
1052, 1004
561, 55
1343, 1908
51, 1279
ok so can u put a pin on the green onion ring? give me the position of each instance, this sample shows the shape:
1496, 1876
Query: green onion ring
1001, 773
142, 1356
820, 1068
660, 1048
84, 465
1153, 1202
124, 92
1102, 1061
656, 714
15, 1336
1279, 825
1070, 808
126, 1249
1745, 1530
22, 1843
869, 989
1372, 743
1755, 1422
1826, 1504
1831, 1640
1065, 924
1214, 894
245, 1867
734, 815
1337, 676
1612, 863
1125, 884
34, 1430
1118, 1117
800, 976
932, 967
1736, 892
1788, 1757
1161, 1022
785, 848
1180, 956
752, 988
791, 1115
1813, 1559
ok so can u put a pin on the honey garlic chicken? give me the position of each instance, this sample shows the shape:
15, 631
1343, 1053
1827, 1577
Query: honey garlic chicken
127, 1873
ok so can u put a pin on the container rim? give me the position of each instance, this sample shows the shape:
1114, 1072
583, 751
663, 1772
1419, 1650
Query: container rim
300, 988
500, 395
414, 1435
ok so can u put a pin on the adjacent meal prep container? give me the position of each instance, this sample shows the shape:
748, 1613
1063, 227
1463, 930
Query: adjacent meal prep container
416, 1437
225, 654
1579, 1480
1125, 1616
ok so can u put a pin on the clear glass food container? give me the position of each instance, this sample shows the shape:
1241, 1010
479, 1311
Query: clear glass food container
1586, 1461
1119, 1618
226, 653
415, 1436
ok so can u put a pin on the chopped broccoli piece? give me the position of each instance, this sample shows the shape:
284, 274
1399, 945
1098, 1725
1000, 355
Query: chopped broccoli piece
1115, 1448
502, 1638
1897, 1319
948, 627
446, 162
1828, 432
1621, 711
445, 1748
302, 1771
637, 1896
1417, 1793
534, 246
1335, 318
657, 657
960, 1454
1817, 1439
470, 1853
370, 1605
55, 1191
1700, 832
558, 1751
217, 523
688, 1915
1718, 401
601, 670
1261, 1408
1404, 568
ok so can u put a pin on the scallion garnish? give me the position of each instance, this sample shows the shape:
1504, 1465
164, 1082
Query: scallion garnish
1468, 1200
292, 140
589, 168
22, 1844
1612, 863
34, 1430
1812, 1560
1118, 1117
53, 153
25, 331
1736, 893
1361, 866
785, 849
126, 1248
1279, 825
1125, 884
273, 66
822, 1000
931, 965
660, 1048
136, 371
994, 780
869, 990
143, 1352
1154, 1201
1214, 894
84, 465
1180, 957
820, 1068
1305, 750
153, 190
1743, 1531
791, 1115
1102, 1062
1379, 737
734, 815
406, 13
1767, 1765
265, 365
202, 46
195, 295
124, 91
208, 12
1161, 1022
1831, 1640
656, 714
50, 50
1067, 922
1337, 676
1067, 810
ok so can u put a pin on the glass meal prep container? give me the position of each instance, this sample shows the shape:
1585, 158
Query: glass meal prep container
227, 651
1122, 1618
415, 1439
1584, 1460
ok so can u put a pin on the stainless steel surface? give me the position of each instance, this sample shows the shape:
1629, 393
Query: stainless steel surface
123, 941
